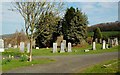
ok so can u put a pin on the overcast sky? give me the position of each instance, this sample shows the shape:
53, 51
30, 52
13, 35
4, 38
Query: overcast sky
97, 12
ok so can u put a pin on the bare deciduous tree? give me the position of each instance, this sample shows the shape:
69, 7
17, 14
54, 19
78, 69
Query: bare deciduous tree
31, 12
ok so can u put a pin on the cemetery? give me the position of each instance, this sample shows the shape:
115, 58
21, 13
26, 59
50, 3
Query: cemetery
51, 43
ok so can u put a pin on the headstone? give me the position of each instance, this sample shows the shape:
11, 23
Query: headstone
94, 46
100, 41
108, 40
64, 41
28, 48
62, 49
1, 45
103, 45
54, 47
116, 42
86, 50
107, 46
69, 47
15, 46
22, 46
37, 48
9, 45
96, 40
111, 43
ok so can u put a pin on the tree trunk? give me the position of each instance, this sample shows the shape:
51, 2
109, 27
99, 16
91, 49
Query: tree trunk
30, 55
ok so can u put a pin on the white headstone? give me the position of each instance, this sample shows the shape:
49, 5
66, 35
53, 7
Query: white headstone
54, 47
64, 41
62, 49
94, 46
15, 46
1, 45
22, 46
69, 47
116, 42
28, 48
9, 45
86, 50
103, 45
37, 47
111, 43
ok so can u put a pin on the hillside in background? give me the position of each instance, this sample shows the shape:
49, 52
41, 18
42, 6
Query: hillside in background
110, 26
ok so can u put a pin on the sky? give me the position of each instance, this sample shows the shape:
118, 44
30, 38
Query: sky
97, 12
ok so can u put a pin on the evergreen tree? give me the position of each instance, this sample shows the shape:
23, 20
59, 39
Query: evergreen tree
97, 34
75, 26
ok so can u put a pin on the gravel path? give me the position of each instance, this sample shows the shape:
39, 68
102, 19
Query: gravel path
66, 64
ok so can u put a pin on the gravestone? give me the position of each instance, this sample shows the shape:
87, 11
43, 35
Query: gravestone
62, 49
37, 48
22, 46
111, 43
1, 45
116, 42
94, 46
69, 47
9, 45
103, 45
108, 40
64, 41
107, 46
28, 48
15, 46
54, 47
87, 50
100, 41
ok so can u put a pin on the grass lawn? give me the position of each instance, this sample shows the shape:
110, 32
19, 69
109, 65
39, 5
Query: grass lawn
75, 51
15, 63
104, 67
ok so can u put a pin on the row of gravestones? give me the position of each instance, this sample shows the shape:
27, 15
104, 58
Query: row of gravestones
62, 48
112, 42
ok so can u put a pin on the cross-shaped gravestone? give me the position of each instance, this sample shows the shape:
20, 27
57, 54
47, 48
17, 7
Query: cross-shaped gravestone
54, 47
21, 46
62, 49
1, 45
69, 47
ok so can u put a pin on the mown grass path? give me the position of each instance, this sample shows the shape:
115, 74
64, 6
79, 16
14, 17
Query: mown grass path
66, 64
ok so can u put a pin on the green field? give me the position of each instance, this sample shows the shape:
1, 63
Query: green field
104, 67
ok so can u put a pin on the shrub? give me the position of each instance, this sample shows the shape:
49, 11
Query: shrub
24, 58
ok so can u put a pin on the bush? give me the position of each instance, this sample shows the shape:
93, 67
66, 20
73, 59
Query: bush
24, 58
5, 61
